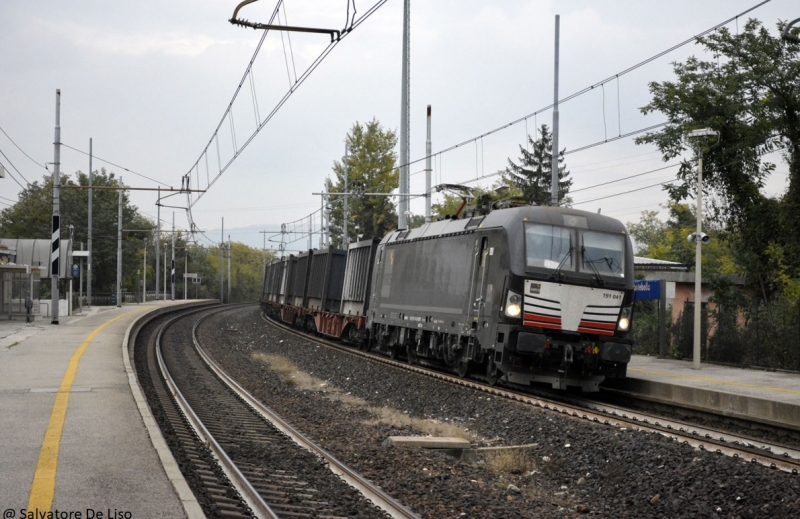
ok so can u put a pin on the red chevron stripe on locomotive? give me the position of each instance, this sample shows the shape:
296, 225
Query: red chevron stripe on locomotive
596, 327
542, 321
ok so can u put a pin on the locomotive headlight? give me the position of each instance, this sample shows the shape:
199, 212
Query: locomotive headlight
513, 304
624, 319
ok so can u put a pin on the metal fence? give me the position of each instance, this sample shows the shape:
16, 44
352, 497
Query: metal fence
753, 334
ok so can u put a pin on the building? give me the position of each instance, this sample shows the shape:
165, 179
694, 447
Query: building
23, 264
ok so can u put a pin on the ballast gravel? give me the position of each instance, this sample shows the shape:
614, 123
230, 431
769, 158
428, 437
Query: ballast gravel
575, 468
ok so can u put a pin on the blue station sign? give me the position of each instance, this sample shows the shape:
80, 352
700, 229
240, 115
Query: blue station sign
647, 289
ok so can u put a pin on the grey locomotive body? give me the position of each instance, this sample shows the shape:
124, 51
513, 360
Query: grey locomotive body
525, 294
522, 295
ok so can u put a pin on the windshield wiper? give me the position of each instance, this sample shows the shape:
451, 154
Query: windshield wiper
561, 263
590, 261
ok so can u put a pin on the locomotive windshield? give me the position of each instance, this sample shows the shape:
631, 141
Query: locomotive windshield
554, 247
603, 253
548, 246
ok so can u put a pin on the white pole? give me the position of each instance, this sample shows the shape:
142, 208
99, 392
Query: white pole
346, 212
230, 253
89, 263
222, 264
428, 170
119, 246
698, 265
158, 241
172, 276
554, 163
144, 271
56, 228
405, 102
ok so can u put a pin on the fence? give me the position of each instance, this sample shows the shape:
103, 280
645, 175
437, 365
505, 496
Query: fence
749, 334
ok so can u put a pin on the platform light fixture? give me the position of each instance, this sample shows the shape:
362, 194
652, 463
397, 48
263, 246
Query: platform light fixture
697, 138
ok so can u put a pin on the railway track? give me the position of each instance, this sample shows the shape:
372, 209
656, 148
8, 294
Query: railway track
770, 454
243, 460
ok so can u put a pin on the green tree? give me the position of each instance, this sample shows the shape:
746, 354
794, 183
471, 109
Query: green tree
31, 216
371, 168
748, 93
666, 240
533, 175
247, 272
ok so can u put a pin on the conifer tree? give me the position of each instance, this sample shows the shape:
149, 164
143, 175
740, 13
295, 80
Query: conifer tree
533, 175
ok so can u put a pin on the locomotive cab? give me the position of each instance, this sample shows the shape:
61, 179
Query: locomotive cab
567, 303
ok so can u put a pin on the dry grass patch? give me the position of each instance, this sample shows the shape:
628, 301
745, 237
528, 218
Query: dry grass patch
389, 416
291, 375
289, 372
504, 462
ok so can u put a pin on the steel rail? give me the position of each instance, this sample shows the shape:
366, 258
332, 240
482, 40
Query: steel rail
736, 448
370, 491
237, 479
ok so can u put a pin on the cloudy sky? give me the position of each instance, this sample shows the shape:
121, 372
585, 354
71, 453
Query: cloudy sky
149, 81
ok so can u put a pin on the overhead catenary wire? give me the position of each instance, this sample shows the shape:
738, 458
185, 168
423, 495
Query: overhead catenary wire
123, 168
574, 95
11, 174
21, 150
298, 81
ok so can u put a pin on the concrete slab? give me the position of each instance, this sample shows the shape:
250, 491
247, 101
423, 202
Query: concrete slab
427, 442
768, 396
106, 460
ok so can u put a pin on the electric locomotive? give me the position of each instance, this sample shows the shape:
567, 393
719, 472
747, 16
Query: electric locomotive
526, 294
522, 295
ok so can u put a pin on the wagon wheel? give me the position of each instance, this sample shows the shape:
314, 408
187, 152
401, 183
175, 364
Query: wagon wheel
393, 353
463, 368
493, 373
411, 354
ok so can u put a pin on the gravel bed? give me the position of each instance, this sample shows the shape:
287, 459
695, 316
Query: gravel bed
258, 443
575, 469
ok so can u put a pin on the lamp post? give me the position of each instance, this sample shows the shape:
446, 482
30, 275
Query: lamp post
698, 238
144, 269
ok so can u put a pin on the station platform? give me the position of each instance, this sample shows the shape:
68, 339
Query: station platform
769, 397
77, 436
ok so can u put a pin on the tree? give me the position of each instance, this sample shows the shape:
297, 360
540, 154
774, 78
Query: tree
748, 93
533, 175
667, 241
371, 168
31, 216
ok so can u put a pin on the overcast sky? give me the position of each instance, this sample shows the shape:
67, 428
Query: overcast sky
149, 81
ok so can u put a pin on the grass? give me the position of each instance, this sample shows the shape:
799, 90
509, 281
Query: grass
291, 375
504, 462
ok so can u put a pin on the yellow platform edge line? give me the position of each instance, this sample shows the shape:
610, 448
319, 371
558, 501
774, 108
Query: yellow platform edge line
715, 381
44, 479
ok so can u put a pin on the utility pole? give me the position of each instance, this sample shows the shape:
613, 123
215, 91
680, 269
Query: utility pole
405, 102
56, 236
321, 224
230, 253
158, 240
699, 239
69, 266
89, 266
222, 264
264, 258
346, 212
554, 163
119, 247
144, 272
428, 170
172, 279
